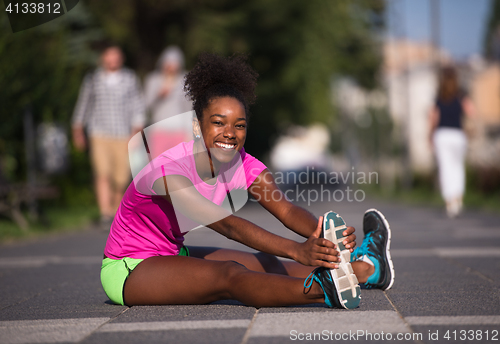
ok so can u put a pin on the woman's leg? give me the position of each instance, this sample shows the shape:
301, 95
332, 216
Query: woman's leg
187, 280
263, 262
260, 262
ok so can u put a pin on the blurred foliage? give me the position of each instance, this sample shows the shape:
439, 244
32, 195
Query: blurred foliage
41, 69
492, 27
296, 46
365, 139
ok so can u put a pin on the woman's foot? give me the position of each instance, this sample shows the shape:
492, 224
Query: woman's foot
345, 283
375, 250
334, 297
454, 207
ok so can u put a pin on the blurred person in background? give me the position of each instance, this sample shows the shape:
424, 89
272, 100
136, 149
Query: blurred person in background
449, 140
110, 107
165, 98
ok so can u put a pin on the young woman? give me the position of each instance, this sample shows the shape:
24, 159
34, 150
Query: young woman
449, 140
145, 261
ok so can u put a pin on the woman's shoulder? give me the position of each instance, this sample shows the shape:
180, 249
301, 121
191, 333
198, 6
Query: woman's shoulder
252, 166
178, 160
181, 153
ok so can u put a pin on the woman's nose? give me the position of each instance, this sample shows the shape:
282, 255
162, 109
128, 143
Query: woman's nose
229, 132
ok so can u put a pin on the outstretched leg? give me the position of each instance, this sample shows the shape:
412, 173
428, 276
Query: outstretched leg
187, 280
264, 262
259, 262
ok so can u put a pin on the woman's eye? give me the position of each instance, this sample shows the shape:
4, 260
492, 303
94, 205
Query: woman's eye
217, 122
241, 126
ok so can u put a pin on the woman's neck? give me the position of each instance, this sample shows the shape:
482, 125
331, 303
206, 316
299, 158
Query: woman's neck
206, 167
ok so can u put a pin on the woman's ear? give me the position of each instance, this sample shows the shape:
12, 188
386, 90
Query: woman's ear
196, 128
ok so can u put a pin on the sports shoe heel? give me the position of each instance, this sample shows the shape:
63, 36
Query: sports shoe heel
377, 248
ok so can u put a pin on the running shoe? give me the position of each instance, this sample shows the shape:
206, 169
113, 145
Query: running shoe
324, 278
340, 285
376, 247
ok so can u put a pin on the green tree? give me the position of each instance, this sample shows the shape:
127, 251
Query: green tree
492, 28
42, 68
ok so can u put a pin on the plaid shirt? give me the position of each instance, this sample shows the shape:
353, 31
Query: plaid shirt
110, 110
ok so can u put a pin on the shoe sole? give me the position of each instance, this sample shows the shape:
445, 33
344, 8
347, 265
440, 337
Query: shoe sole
388, 246
346, 283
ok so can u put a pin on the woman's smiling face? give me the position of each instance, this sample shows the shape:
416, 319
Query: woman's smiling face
224, 128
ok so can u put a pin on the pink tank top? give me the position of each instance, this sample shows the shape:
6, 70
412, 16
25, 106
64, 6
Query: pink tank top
146, 225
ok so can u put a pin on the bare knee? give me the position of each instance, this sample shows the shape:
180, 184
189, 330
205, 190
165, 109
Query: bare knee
231, 273
233, 269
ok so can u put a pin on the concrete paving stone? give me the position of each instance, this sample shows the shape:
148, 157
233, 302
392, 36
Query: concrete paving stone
313, 307
175, 325
202, 336
21, 284
477, 232
454, 320
436, 282
67, 293
471, 302
82, 243
488, 267
370, 300
443, 283
15, 289
53, 331
289, 324
56, 307
185, 313
438, 273
41, 261
487, 252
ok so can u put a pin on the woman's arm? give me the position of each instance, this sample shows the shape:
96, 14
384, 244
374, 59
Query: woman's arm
297, 219
313, 252
185, 198
468, 107
267, 193
433, 122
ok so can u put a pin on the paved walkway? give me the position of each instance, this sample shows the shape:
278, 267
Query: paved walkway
446, 288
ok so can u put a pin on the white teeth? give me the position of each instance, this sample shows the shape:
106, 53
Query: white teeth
223, 145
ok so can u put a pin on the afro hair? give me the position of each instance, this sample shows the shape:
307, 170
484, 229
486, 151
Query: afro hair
216, 76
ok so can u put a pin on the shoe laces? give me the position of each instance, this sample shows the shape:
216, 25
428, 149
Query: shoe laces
364, 248
308, 285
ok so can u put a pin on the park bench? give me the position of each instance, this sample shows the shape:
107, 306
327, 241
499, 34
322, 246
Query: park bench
14, 195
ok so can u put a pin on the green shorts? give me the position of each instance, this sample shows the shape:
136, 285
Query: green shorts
114, 273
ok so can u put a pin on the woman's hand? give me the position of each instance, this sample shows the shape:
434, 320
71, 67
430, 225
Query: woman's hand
317, 251
350, 240
79, 138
